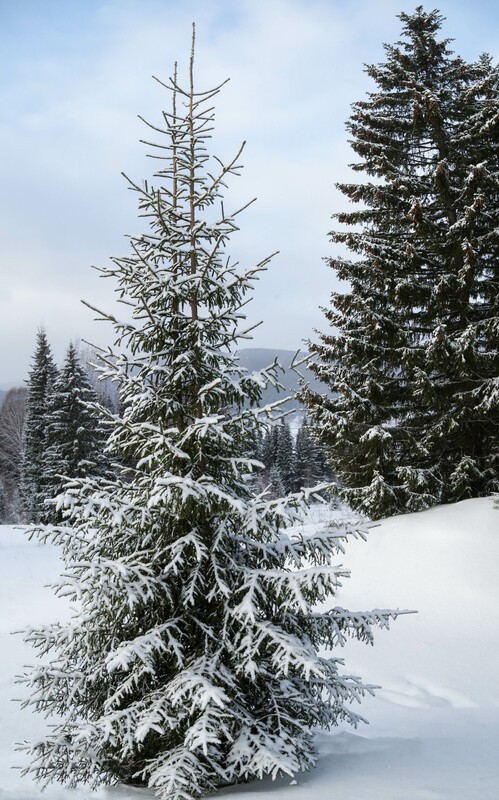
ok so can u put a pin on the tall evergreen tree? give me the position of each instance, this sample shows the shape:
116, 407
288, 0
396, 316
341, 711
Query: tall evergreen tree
274, 483
278, 457
40, 384
75, 434
310, 464
270, 447
412, 360
194, 659
285, 460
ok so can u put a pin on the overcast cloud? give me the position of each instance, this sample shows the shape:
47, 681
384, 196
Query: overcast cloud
76, 73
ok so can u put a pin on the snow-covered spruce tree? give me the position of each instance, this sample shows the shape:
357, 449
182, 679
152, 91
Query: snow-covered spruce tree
278, 457
270, 446
194, 658
412, 355
310, 462
75, 434
274, 482
40, 383
285, 461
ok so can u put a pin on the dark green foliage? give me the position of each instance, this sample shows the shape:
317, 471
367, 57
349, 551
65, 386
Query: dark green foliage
292, 464
310, 461
75, 433
285, 457
412, 359
277, 454
40, 384
270, 446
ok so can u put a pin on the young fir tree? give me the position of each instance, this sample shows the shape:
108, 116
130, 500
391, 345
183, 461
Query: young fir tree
285, 459
269, 447
40, 383
196, 656
310, 463
274, 483
412, 361
277, 455
75, 435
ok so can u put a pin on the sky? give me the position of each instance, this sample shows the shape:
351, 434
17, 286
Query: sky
75, 75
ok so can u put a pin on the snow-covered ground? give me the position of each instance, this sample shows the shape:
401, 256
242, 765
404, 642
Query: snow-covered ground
434, 726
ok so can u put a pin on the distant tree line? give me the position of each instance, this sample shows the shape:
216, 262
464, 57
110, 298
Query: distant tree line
52, 430
290, 462
49, 431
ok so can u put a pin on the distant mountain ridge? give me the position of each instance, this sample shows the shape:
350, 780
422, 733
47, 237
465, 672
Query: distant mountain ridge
256, 358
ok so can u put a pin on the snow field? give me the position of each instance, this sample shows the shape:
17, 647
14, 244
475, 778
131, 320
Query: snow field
434, 726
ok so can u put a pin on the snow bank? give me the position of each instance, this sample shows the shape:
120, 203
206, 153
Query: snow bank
441, 664
434, 727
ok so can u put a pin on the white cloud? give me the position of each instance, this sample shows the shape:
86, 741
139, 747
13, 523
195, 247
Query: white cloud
73, 86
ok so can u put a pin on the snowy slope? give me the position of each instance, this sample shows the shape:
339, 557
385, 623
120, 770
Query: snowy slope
434, 727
